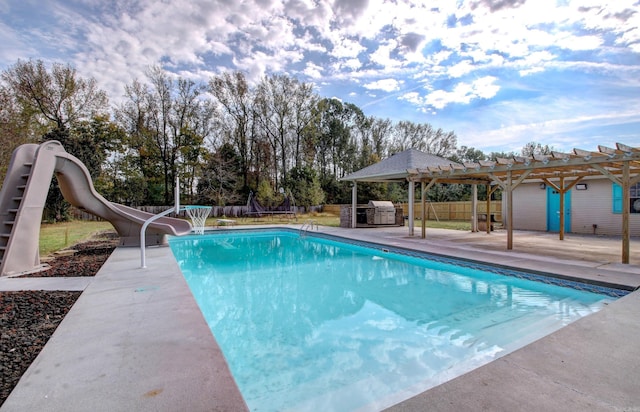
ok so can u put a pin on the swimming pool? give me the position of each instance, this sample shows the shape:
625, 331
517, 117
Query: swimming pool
315, 324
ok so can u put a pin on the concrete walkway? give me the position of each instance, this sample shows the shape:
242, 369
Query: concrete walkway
135, 339
9, 284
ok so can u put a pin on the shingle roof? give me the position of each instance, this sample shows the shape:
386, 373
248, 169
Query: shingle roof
395, 167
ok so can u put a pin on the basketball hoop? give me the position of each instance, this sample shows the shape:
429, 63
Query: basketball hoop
198, 215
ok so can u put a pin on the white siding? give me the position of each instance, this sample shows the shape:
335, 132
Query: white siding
529, 207
588, 207
594, 207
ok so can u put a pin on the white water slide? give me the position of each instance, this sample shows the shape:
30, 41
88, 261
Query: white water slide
23, 197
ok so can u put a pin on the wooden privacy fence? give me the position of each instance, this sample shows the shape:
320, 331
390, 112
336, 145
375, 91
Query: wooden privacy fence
216, 211
435, 211
439, 211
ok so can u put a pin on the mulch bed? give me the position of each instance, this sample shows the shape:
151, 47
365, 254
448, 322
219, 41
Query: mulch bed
29, 318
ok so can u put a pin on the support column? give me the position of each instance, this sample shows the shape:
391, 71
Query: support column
354, 204
412, 196
489, 193
423, 200
626, 209
509, 211
474, 208
425, 189
561, 192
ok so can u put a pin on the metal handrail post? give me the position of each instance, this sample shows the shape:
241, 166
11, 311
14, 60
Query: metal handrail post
143, 229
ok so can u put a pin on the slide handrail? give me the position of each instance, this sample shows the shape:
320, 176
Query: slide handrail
143, 229
145, 225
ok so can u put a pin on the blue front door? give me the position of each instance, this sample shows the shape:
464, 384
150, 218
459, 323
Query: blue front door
553, 210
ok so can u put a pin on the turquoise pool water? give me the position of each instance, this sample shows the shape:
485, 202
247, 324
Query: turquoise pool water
309, 323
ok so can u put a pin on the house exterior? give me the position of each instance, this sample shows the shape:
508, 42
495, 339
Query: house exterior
593, 206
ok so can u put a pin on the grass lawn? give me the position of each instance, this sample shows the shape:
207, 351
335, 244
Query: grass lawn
56, 236
326, 219
322, 219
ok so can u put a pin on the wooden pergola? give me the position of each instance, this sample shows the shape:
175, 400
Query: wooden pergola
561, 171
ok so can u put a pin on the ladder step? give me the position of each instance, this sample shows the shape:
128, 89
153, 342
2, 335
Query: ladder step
12, 210
17, 198
9, 222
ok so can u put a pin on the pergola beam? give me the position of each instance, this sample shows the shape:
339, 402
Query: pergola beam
620, 164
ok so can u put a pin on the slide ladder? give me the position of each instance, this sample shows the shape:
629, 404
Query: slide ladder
24, 193
15, 231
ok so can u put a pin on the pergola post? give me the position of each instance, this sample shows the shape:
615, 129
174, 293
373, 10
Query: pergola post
509, 211
423, 198
354, 204
412, 195
626, 209
562, 190
489, 192
474, 208
425, 189
561, 207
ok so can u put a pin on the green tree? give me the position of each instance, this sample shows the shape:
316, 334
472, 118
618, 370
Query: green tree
423, 137
468, 154
121, 181
265, 194
53, 101
221, 177
55, 98
235, 117
533, 148
139, 149
305, 187
93, 140
165, 121
15, 129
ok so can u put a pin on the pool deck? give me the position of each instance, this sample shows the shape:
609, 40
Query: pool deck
136, 340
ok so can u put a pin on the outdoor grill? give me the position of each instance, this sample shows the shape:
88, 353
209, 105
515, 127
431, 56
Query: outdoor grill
384, 212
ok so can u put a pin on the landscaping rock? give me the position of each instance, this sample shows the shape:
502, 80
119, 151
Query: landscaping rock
29, 318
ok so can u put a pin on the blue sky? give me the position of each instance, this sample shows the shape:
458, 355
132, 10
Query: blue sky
499, 73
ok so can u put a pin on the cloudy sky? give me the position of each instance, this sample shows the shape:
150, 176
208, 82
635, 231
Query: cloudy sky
499, 73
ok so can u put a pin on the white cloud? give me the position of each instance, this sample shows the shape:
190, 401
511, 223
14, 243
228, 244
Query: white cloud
313, 70
413, 97
485, 87
346, 48
571, 42
461, 69
382, 56
387, 85
482, 88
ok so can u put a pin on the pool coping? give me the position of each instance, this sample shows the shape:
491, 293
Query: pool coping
136, 340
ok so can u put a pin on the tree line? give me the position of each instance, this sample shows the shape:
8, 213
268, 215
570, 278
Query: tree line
224, 138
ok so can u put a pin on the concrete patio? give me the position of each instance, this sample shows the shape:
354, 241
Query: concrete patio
136, 340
